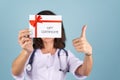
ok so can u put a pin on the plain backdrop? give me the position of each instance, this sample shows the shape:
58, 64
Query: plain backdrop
103, 31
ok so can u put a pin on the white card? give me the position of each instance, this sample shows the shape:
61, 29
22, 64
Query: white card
45, 26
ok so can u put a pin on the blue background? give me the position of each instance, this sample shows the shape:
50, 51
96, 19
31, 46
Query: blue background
101, 16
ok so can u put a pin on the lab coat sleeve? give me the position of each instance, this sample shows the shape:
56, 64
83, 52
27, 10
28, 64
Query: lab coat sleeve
74, 63
22, 75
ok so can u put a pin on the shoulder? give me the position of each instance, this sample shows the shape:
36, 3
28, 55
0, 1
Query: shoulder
69, 52
71, 55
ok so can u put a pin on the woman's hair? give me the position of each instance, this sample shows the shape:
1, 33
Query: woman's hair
58, 42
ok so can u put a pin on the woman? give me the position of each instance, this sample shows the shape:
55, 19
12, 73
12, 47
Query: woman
47, 65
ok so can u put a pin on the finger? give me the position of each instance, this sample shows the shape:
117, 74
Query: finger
83, 33
75, 40
22, 31
23, 40
79, 40
79, 44
79, 49
27, 43
26, 34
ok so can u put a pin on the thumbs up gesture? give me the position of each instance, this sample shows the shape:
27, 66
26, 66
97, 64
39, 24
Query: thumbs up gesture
81, 44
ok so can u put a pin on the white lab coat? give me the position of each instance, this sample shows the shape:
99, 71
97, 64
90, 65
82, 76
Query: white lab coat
46, 67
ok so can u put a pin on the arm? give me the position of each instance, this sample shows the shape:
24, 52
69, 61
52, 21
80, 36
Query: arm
81, 45
19, 63
86, 67
26, 44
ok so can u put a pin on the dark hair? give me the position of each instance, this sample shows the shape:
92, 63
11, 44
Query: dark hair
58, 42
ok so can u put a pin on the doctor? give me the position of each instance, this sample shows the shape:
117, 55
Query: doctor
46, 63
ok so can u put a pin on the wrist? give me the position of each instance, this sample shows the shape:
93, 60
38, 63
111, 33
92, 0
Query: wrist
26, 52
88, 54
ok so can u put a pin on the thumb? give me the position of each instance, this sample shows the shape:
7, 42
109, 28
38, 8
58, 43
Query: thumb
83, 33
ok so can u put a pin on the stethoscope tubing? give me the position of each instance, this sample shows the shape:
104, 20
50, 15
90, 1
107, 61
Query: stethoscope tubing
29, 65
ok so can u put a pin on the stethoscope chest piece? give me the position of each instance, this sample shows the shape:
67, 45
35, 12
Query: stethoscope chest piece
28, 67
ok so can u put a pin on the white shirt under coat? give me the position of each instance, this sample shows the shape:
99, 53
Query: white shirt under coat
46, 67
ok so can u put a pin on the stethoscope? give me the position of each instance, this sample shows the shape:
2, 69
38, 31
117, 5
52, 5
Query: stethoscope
29, 65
